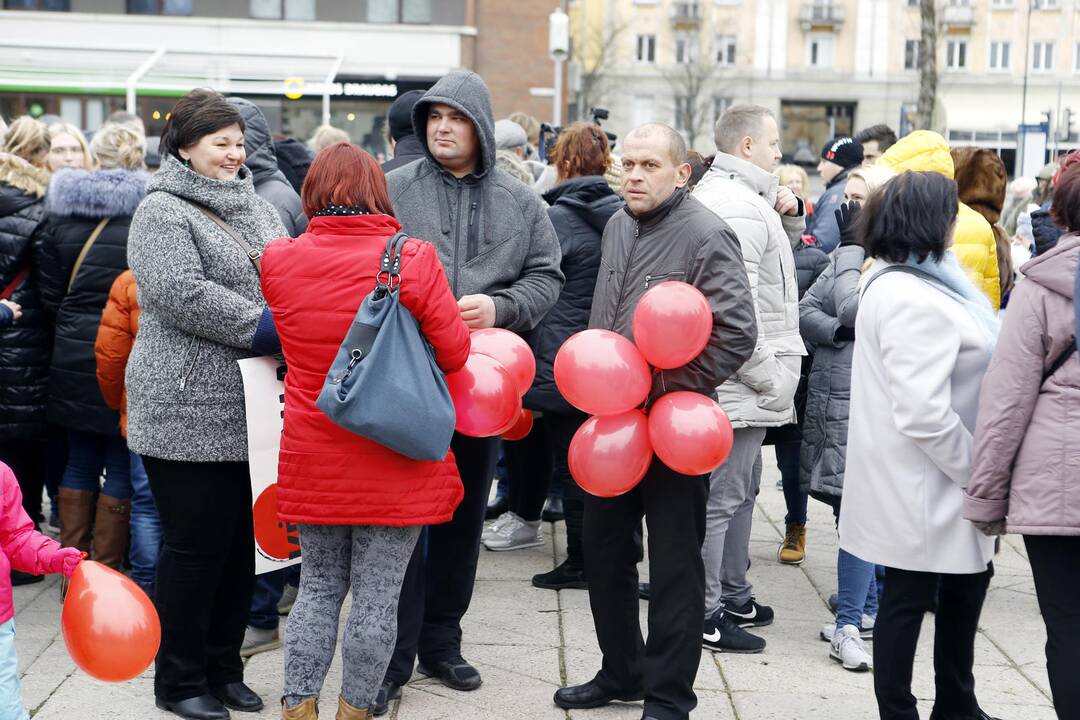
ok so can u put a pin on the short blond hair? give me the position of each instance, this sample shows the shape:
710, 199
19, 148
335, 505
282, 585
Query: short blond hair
786, 172
327, 135
119, 146
63, 128
875, 176
28, 139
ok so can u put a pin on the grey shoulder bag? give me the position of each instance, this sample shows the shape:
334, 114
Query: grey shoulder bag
384, 384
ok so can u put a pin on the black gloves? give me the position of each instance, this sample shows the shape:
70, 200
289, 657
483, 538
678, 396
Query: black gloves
845, 222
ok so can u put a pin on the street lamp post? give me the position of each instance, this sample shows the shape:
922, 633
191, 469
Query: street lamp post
558, 49
1023, 102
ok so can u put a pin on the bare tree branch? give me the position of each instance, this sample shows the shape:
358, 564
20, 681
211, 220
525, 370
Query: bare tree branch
595, 54
928, 74
691, 82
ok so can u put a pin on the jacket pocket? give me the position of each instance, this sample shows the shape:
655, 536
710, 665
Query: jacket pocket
187, 367
659, 277
774, 381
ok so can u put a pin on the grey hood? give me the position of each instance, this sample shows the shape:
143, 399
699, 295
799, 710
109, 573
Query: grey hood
258, 140
464, 91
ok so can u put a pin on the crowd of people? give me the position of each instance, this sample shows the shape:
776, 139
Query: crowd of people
905, 342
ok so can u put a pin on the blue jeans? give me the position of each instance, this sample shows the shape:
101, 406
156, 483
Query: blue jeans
858, 584
145, 529
88, 455
11, 706
268, 590
787, 459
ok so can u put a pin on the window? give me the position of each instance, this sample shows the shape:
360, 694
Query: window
911, 54
1076, 62
913, 3
55, 5
1045, 4
1042, 56
956, 54
159, 7
1004, 3
646, 48
999, 55
395, 11
820, 51
960, 3
283, 9
642, 110
719, 107
725, 50
685, 49
683, 110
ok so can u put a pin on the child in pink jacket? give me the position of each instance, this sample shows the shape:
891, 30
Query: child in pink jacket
23, 548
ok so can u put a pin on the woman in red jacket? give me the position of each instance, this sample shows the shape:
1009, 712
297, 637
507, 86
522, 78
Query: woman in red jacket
359, 505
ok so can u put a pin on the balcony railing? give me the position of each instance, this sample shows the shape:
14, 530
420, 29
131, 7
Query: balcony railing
821, 14
686, 14
959, 16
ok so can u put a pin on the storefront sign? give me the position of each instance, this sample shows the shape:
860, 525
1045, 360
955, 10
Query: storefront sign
296, 88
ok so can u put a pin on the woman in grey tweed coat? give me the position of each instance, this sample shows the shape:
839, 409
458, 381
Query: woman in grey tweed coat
202, 310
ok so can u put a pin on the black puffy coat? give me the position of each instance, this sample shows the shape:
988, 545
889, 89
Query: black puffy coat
579, 210
77, 201
408, 149
24, 346
1045, 231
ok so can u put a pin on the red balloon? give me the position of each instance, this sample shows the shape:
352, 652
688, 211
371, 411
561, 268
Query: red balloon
272, 534
485, 397
690, 433
110, 626
522, 426
601, 372
509, 349
672, 324
610, 455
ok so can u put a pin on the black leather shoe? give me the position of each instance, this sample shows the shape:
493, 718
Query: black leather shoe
643, 591
238, 696
454, 673
203, 707
388, 691
553, 510
496, 507
590, 695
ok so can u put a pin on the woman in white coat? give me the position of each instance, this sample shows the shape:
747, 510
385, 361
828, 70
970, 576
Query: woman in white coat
924, 336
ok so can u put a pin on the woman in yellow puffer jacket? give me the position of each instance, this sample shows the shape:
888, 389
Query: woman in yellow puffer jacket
974, 242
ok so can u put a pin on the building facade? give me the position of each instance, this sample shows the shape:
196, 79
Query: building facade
304, 62
828, 67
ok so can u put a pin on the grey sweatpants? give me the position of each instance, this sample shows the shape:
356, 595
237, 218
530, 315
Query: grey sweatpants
370, 561
728, 516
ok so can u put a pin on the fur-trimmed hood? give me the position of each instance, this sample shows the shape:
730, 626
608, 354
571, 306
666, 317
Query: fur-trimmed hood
115, 192
21, 175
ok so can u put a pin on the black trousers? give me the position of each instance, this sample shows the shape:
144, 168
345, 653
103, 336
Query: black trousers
438, 583
29, 460
908, 595
673, 505
205, 574
1055, 563
531, 462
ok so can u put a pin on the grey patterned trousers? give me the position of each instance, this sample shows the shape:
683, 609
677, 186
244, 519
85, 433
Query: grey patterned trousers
370, 561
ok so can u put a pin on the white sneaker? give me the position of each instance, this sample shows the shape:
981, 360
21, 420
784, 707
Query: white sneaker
497, 525
847, 648
515, 534
866, 632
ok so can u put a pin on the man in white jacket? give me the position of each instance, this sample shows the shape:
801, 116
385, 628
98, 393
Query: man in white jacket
741, 188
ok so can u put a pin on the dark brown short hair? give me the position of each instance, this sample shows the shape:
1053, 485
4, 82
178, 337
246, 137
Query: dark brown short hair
343, 174
581, 150
1065, 208
194, 116
910, 216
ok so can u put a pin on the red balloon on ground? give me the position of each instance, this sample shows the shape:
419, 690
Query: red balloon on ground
672, 324
690, 433
522, 426
510, 350
485, 397
271, 533
601, 372
110, 626
610, 455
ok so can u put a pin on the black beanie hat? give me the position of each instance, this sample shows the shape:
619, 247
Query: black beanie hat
844, 151
400, 115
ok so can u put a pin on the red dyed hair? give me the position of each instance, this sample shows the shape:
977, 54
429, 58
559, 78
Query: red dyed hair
343, 174
1065, 209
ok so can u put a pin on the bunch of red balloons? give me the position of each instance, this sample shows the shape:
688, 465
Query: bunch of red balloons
487, 392
110, 626
602, 373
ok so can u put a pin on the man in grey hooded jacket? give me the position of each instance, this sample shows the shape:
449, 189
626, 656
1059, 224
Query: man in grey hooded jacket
502, 259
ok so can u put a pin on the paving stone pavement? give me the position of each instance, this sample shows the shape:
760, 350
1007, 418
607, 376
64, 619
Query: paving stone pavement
528, 642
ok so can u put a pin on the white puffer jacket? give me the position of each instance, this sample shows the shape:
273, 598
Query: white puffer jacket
762, 392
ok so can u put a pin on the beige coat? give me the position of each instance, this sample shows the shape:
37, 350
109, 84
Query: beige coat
762, 392
916, 373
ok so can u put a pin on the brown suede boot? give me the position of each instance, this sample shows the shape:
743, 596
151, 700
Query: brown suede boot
111, 530
76, 510
307, 710
345, 711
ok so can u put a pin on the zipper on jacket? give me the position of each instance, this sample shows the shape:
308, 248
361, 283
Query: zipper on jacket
457, 239
190, 368
470, 238
665, 276
626, 272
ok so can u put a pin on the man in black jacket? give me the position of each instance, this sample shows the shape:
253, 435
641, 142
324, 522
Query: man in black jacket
407, 147
667, 233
